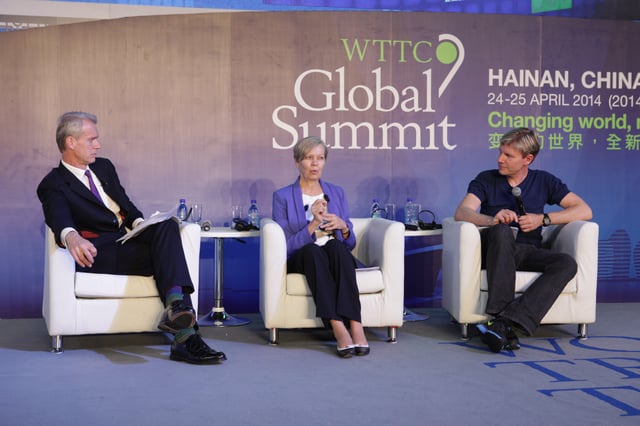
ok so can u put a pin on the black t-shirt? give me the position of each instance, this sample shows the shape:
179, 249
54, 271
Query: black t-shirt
539, 188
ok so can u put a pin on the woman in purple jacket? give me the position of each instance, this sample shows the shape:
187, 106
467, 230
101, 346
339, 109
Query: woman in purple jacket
315, 218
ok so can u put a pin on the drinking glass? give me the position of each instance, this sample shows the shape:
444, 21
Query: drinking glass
390, 209
196, 213
236, 213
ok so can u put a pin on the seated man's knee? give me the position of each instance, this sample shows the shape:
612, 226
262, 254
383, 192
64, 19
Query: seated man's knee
168, 226
500, 231
568, 263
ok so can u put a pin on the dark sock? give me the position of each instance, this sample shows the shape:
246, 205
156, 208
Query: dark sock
182, 335
174, 294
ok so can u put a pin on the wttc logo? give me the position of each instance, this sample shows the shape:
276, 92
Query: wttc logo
405, 82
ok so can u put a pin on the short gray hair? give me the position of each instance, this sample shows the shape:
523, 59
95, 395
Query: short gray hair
304, 145
70, 124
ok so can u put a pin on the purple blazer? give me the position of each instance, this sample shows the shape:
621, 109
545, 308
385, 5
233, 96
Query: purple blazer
288, 211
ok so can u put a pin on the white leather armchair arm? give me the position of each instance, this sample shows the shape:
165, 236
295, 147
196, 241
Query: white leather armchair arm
461, 278
580, 240
380, 243
59, 286
273, 272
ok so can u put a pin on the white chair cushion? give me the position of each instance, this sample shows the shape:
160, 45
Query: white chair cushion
524, 279
106, 286
369, 281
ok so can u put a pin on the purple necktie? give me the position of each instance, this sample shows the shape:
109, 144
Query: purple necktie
92, 185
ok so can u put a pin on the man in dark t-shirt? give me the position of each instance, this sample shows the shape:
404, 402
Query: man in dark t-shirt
515, 196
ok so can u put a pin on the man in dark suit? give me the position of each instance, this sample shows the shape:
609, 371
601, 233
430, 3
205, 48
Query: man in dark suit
88, 210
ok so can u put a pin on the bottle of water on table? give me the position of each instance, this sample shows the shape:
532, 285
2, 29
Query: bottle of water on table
254, 214
182, 210
375, 211
411, 213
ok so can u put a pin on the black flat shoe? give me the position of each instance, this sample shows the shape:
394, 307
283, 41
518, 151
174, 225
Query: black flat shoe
346, 352
362, 350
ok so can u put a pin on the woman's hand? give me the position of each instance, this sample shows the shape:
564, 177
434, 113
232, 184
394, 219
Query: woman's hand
318, 210
332, 222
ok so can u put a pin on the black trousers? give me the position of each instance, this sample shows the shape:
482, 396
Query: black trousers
155, 251
502, 257
331, 274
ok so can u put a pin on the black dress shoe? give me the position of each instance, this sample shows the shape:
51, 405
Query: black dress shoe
362, 350
195, 351
177, 316
346, 352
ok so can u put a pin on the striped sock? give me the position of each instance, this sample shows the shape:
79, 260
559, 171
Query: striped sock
182, 335
174, 294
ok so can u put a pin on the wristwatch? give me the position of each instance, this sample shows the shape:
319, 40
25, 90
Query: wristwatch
546, 220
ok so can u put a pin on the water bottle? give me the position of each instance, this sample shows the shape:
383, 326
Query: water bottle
376, 211
182, 210
411, 212
254, 214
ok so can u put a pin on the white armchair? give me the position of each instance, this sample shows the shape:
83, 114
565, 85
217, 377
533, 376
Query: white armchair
76, 303
464, 284
286, 301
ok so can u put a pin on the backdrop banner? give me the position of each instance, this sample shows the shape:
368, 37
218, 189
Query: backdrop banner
208, 107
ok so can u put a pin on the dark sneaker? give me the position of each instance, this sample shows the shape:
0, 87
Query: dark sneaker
195, 351
513, 343
494, 334
177, 316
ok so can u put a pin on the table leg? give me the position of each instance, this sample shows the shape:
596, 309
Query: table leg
218, 317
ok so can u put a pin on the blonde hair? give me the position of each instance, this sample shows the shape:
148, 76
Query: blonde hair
523, 139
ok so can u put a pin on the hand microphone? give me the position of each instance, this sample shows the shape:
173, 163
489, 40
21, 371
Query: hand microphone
324, 222
517, 192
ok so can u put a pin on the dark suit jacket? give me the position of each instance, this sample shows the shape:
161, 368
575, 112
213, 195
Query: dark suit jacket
67, 202
288, 210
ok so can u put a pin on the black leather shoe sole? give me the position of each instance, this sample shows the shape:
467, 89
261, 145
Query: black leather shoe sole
180, 322
214, 358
